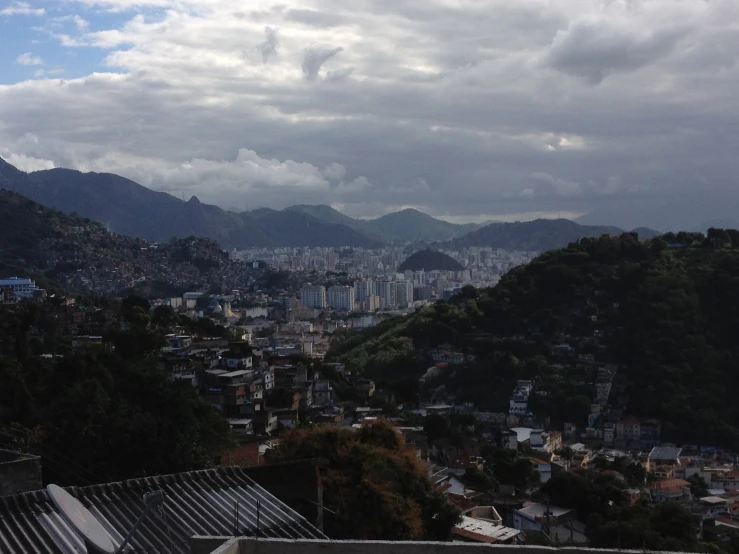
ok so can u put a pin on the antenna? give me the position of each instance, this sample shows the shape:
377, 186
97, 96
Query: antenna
87, 525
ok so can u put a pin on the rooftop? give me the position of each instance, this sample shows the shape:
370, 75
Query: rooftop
196, 503
535, 510
665, 453
484, 531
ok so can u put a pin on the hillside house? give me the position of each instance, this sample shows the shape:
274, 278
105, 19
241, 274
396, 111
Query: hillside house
670, 490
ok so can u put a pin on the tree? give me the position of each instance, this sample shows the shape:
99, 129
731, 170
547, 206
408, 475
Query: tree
436, 427
164, 316
374, 484
507, 468
698, 486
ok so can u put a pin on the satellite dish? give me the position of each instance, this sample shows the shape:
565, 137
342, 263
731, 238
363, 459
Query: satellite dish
81, 520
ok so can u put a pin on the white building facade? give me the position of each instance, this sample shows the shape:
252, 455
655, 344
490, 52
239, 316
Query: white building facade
340, 298
313, 297
20, 286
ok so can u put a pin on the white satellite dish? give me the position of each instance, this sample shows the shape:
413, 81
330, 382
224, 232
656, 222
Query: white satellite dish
81, 520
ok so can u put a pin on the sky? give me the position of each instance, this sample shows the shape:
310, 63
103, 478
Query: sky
619, 112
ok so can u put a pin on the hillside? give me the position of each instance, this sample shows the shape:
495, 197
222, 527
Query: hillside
538, 235
82, 255
430, 260
126, 207
661, 313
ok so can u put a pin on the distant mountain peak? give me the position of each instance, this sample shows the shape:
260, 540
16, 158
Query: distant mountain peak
194, 200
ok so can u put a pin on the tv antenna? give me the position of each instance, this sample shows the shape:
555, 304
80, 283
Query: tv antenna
85, 524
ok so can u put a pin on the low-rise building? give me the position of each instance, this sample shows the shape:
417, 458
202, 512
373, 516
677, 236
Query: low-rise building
675, 490
540, 517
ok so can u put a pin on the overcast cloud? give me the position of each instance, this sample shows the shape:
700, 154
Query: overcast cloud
623, 111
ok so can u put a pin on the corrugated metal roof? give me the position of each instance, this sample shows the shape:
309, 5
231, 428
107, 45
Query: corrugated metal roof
196, 503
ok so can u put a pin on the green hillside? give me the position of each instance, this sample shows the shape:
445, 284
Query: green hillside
662, 311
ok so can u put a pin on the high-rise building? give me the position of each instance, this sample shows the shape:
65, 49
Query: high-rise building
371, 303
364, 288
313, 296
340, 298
387, 292
403, 293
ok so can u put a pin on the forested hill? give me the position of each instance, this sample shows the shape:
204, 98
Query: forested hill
662, 311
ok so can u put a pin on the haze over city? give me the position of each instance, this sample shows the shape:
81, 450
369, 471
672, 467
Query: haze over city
619, 112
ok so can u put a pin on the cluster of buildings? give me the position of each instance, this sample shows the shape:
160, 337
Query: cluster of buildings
482, 266
257, 389
519, 403
96, 261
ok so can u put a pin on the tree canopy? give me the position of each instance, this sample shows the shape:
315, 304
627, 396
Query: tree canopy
374, 484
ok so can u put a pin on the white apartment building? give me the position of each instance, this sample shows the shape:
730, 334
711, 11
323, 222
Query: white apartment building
364, 288
387, 291
313, 297
340, 298
20, 286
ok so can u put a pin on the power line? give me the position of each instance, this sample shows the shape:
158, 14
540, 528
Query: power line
67, 461
54, 463
57, 453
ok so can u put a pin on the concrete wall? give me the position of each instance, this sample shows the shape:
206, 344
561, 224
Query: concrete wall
19, 472
285, 546
297, 484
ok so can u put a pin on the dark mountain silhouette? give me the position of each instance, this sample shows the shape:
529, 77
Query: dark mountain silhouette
404, 226
538, 235
430, 260
128, 208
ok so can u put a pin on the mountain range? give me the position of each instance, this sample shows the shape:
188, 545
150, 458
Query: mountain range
537, 235
127, 208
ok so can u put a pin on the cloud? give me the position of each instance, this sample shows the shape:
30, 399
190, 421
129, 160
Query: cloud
269, 47
418, 184
594, 48
359, 185
21, 8
314, 58
559, 186
77, 20
334, 172
620, 104
29, 59
314, 18
25, 163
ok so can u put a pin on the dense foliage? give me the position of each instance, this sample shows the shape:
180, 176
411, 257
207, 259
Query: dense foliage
374, 485
663, 311
96, 414
613, 521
